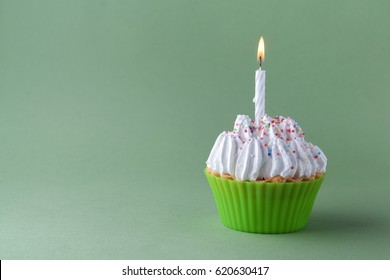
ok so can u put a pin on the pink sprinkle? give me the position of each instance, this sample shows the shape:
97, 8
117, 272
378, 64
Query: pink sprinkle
292, 167
245, 131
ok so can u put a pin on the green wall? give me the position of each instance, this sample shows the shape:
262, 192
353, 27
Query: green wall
108, 110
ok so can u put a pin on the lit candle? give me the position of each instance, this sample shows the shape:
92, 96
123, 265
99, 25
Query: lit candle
259, 99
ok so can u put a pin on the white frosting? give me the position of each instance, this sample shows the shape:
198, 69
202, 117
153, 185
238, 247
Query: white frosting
270, 147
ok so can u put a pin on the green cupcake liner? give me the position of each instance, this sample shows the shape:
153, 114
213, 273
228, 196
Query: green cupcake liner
264, 207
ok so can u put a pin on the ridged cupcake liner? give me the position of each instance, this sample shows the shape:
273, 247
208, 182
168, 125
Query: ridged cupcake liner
264, 207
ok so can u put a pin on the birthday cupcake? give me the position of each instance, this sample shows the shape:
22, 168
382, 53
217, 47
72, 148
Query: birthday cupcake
264, 175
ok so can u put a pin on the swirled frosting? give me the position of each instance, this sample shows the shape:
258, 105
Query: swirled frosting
264, 149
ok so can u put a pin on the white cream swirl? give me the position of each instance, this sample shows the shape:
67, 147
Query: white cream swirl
268, 148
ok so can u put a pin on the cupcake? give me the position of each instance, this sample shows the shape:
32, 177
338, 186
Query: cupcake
264, 175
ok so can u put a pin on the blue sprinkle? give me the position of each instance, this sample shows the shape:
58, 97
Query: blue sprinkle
319, 153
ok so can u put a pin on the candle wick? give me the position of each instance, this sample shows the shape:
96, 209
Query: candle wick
260, 61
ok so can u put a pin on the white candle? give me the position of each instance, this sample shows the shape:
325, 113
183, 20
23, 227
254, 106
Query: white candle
259, 99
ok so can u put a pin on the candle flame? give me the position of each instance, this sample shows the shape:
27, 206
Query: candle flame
261, 50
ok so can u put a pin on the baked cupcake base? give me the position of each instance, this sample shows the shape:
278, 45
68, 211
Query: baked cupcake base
264, 206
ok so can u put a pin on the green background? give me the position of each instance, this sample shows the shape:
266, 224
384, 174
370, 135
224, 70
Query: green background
109, 109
